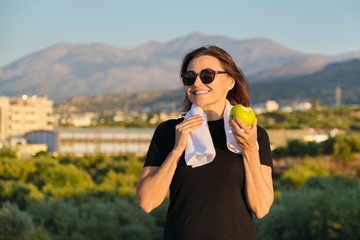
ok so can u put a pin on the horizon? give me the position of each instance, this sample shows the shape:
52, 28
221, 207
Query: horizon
321, 27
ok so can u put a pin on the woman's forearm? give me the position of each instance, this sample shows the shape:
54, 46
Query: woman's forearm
259, 186
155, 181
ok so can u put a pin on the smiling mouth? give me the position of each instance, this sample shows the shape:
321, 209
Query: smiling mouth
201, 92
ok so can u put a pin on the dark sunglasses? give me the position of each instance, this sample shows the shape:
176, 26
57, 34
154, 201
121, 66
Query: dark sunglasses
206, 76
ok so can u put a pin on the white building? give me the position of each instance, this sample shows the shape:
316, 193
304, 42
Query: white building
21, 115
271, 106
108, 141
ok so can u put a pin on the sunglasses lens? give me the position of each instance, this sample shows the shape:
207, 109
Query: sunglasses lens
207, 76
188, 78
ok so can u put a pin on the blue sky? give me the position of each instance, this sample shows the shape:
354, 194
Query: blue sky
310, 26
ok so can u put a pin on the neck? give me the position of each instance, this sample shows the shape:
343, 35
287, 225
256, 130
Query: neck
212, 116
214, 113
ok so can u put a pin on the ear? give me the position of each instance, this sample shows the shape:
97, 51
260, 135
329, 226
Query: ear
231, 83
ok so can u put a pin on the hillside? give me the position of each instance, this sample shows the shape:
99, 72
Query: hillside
65, 70
320, 84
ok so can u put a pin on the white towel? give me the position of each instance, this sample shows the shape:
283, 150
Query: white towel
200, 148
230, 140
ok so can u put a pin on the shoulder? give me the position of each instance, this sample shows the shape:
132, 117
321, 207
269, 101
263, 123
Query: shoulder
261, 131
162, 142
264, 147
262, 136
169, 124
167, 127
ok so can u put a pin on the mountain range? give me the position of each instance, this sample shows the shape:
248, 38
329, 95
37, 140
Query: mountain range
320, 86
64, 71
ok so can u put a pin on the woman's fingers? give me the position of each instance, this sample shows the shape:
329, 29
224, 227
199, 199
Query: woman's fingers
184, 128
190, 123
240, 127
245, 136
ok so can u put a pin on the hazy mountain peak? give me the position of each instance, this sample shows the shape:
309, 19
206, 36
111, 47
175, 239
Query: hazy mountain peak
67, 70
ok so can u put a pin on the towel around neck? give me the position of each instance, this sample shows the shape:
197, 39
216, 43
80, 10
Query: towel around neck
200, 148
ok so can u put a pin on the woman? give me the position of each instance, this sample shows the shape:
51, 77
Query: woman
214, 200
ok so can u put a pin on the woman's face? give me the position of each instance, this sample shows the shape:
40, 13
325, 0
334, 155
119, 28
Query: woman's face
212, 96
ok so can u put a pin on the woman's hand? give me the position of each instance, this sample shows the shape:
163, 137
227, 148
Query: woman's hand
184, 129
244, 136
154, 181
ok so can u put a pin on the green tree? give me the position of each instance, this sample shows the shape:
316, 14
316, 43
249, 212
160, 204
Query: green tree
66, 180
90, 217
7, 153
296, 176
123, 179
19, 193
15, 169
41, 233
323, 208
342, 148
14, 224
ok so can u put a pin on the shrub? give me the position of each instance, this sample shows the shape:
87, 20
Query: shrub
14, 224
7, 153
66, 180
342, 149
19, 193
93, 218
323, 208
299, 174
15, 169
40, 233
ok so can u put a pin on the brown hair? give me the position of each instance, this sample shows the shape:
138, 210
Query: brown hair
239, 93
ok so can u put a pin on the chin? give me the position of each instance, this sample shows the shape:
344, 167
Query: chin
198, 103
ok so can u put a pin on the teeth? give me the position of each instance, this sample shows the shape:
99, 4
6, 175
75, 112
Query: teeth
201, 92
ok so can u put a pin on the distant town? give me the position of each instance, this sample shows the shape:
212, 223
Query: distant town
30, 124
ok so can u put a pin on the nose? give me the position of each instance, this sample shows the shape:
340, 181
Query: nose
197, 80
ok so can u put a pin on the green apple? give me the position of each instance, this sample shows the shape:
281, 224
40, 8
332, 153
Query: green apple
244, 114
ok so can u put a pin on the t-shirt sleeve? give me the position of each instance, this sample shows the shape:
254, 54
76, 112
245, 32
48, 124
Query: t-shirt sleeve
264, 147
161, 143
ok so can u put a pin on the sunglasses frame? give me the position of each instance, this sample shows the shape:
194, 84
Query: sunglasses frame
190, 81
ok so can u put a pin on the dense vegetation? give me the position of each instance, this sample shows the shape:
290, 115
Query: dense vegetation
73, 198
340, 146
346, 117
93, 197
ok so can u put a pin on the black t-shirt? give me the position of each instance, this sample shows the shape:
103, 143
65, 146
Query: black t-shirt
207, 202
